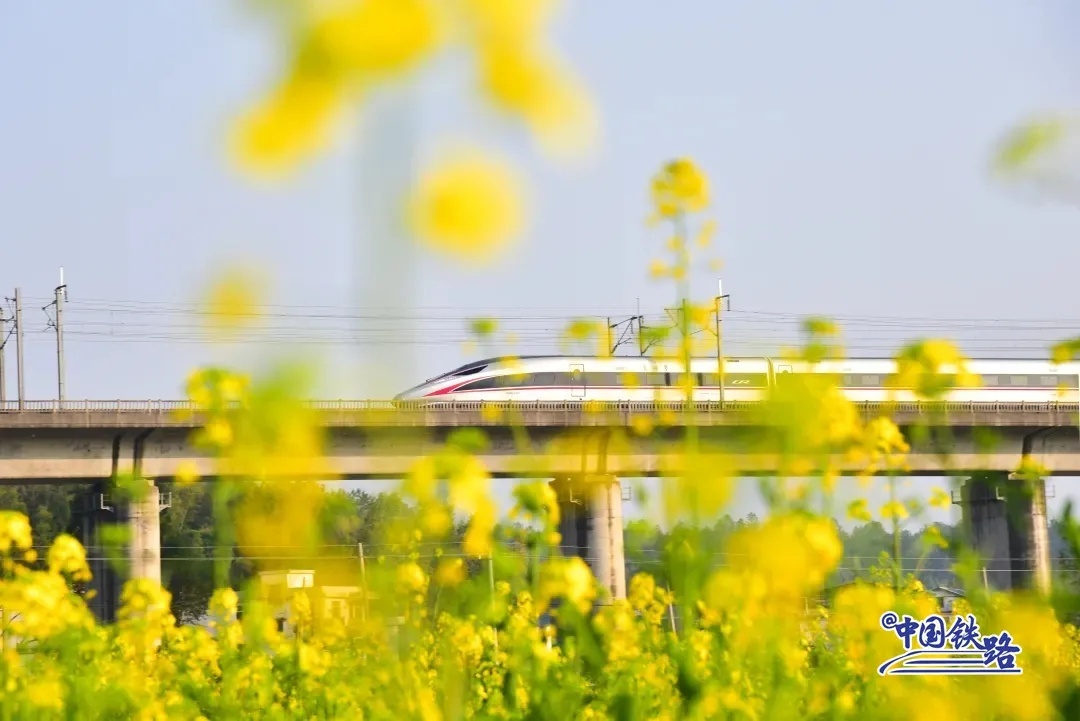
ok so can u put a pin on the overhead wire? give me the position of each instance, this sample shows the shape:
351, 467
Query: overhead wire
750, 332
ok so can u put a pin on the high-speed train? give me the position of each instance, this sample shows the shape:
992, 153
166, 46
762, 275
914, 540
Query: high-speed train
622, 379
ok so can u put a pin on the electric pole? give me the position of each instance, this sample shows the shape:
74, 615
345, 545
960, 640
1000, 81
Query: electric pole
720, 298
612, 344
19, 345
61, 296
3, 342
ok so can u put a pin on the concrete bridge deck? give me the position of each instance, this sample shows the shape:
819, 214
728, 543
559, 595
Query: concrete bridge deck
84, 441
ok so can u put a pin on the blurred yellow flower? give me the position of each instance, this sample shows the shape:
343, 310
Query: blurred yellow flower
858, 511
290, 125
931, 369
450, 572
233, 300
186, 473
680, 187
411, 578
369, 39
642, 425
14, 532
569, 578
894, 509
67, 556
468, 206
940, 498
533, 85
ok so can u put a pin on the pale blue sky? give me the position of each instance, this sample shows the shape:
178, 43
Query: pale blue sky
848, 145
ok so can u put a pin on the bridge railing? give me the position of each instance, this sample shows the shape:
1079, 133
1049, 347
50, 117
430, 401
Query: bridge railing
165, 406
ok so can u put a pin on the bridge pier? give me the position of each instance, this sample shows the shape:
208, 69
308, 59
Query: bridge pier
142, 517
1006, 523
104, 582
591, 526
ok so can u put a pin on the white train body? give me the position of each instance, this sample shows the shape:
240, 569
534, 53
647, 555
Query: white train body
630, 379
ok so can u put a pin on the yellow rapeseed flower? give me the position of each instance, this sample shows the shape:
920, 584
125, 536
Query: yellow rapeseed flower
680, 187
468, 206
450, 572
14, 532
294, 122
533, 85
369, 39
858, 511
186, 473
411, 578
67, 556
233, 300
931, 369
940, 498
894, 509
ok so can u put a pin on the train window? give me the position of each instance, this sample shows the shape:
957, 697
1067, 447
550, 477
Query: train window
655, 379
480, 384
467, 371
514, 380
598, 379
711, 380
1070, 381
1018, 380
989, 381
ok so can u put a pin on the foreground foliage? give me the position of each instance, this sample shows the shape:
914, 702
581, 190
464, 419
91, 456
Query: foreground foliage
461, 649
509, 627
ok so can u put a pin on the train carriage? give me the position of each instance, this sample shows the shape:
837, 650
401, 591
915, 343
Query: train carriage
642, 379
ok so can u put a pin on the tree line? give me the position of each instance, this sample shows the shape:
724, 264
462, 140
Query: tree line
355, 523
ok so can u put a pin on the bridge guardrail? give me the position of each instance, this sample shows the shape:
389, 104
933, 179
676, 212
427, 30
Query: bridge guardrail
164, 406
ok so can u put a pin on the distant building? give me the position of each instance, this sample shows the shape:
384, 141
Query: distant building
279, 589
945, 597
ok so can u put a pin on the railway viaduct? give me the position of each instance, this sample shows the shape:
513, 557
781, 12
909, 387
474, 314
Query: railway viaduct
584, 452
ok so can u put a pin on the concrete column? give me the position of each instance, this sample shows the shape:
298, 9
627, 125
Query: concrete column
144, 522
1029, 535
1007, 525
987, 527
97, 511
591, 526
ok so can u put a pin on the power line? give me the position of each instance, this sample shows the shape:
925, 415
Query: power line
538, 329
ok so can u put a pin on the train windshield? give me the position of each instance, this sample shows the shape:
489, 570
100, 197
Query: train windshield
466, 370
